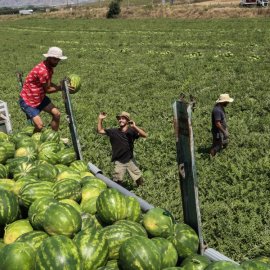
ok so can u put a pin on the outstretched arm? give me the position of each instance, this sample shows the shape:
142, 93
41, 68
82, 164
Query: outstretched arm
51, 88
100, 128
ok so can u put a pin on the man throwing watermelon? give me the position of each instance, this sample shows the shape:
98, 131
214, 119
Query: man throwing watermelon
122, 142
38, 83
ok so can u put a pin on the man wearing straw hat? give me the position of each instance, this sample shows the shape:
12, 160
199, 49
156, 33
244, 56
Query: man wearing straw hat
122, 142
219, 126
38, 83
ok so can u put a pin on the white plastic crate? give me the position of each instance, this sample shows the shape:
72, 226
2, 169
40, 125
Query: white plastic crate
5, 124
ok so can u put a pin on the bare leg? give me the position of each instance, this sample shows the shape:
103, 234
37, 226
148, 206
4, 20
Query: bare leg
51, 109
38, 123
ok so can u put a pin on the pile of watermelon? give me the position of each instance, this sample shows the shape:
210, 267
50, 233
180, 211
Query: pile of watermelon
54, 214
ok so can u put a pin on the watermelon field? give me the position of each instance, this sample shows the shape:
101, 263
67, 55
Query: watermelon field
141, 66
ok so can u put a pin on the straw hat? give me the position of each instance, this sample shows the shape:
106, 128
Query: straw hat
55, 52
224, 98
124, 114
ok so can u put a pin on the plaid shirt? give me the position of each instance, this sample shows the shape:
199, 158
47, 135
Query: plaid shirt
32, 91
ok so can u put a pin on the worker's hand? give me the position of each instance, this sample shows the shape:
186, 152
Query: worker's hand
102, 115
132, 123
71, 89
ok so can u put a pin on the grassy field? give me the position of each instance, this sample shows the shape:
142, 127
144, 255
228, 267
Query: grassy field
141, 66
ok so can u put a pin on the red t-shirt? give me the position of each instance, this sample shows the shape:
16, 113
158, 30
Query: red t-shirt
32, 91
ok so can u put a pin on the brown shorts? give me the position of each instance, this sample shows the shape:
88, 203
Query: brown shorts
121, 168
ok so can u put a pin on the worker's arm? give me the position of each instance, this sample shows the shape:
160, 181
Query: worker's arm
100, 128
220, 127
140, 131
51, 88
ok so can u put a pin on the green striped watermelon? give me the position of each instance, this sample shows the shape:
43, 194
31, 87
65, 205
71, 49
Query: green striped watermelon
49, 146
93, 247
36, 137
23, 169
79, 166
158, 222
255, 265
50, 135
22, 182
172, 268
67, 156
16, 229
68, 174
111, 206
7, 184
12, 163
45, 171
26, 151
111, 265
74, 82
32, 191
10, 149
90, 221
61, 218
184, 239
9, 207
49, 156
116, 235
93, 181
33, 238
139, 253
17, 255
133, 209
72, 203
3, 137
3, 171
195, 262
223, 265
28, 130
3, 155
169, 256
135, 227
58, 252
67, 189
37, 209
25, 141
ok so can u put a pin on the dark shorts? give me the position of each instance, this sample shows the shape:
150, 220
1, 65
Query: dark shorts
31, 112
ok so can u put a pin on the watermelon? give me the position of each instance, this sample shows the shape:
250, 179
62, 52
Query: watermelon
49, 146
67, 156
158, 222
49, 156
45, 172
72, 203
75, 82
184, 239
50, 135
22, 182
9, 207
33, 238
89, 221
17, 255
12, 163
37, 209
139, 253
23, 169
195, 262
223, 265
61, 218
133, 209
3, 155
172, 268
116, 235
28, 130
3, 171
111, 265
16, 229
58, 252
26, 151
135, 227
25, 141
10, 149
4, 137
169, 256
67, 189
254, 265
79, 166
68, 174
89, 205
36, 137
83, 174
93, 181
7, 184
93, 247
111, 206
32, 191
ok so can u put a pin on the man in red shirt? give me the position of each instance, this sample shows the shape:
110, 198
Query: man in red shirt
33, 98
